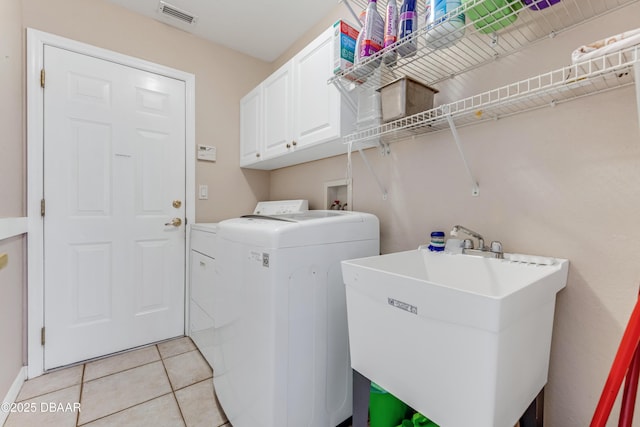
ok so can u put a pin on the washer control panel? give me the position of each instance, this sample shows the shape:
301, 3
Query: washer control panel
279, 207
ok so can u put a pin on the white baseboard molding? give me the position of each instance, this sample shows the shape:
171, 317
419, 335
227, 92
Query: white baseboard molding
12, 394
10, 227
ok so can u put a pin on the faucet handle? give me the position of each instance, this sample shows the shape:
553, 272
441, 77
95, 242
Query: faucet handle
496, 247
467, 244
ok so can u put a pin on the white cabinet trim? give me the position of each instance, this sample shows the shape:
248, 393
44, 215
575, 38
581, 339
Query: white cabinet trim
11, 227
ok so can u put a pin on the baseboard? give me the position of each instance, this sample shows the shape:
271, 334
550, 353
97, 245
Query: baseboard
12, 394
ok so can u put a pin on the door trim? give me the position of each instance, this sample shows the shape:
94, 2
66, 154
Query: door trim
36, 40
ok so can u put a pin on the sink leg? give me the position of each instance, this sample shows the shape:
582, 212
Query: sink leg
534, 415
361, 387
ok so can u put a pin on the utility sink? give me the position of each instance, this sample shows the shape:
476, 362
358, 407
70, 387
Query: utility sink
463, 339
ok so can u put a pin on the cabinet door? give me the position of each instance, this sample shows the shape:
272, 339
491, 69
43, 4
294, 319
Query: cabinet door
251, 127
278, 111
317, 114
201, 303
202, 278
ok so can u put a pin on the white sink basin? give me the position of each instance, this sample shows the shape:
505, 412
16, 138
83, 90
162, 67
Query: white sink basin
463, 339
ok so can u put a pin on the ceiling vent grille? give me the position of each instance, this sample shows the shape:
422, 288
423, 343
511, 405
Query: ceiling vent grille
176, 13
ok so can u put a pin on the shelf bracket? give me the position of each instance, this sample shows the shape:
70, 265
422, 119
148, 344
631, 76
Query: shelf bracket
346, 96
366, 162
356, 19
475, 188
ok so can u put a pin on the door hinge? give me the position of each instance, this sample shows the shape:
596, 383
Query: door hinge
42, 336
42, 78
42, 209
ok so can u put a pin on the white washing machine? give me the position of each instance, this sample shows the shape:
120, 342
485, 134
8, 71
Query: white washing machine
203, 257
281, 347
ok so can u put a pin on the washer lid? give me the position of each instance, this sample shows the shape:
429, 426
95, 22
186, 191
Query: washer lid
299, 216
209, 227
300, 229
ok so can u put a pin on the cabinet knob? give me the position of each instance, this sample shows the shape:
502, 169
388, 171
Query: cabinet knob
257, 154
288, 145
294, 143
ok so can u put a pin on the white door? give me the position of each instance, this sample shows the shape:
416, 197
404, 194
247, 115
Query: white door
114, 163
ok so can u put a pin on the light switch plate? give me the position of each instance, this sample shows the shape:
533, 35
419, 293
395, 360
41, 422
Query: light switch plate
207, 152
4, 260
203, 192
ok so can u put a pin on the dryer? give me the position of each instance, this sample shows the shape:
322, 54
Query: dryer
281, 347
202, 270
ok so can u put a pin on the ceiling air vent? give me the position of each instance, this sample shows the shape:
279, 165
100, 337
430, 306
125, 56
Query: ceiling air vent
169, 10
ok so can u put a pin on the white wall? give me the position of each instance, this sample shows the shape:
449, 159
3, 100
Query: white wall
12, 278
562, 181
222, 78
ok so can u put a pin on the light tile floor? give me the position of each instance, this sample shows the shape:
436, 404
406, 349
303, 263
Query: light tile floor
164, 385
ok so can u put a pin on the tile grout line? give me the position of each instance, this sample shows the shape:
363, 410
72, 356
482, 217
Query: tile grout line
124, 409
197, 382
124, 370
84, 367
177, 354
160, 359
173, 392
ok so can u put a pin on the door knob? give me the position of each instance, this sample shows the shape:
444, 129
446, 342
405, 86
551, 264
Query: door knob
176, 204
176, 222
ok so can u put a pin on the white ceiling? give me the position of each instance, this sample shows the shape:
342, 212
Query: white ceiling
263, 29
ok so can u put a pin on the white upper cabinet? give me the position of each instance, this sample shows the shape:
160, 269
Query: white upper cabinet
301, 117
251, 126
278, 111
319, 117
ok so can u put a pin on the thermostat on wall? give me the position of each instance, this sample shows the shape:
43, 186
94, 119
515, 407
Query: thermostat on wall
206, 152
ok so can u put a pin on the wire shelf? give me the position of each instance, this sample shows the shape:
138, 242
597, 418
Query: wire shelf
610, 71
477, 43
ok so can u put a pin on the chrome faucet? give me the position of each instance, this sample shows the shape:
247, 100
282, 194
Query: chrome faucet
458, 228
494, 251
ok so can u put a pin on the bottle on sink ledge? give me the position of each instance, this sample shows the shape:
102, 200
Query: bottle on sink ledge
437, 241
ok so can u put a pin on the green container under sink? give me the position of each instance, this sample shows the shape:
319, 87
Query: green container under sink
385, 410
490, 16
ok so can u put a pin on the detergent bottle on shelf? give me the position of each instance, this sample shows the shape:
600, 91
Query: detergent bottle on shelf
391, 32
408, 25
359, 74
373, 38
443, 32
361, 18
